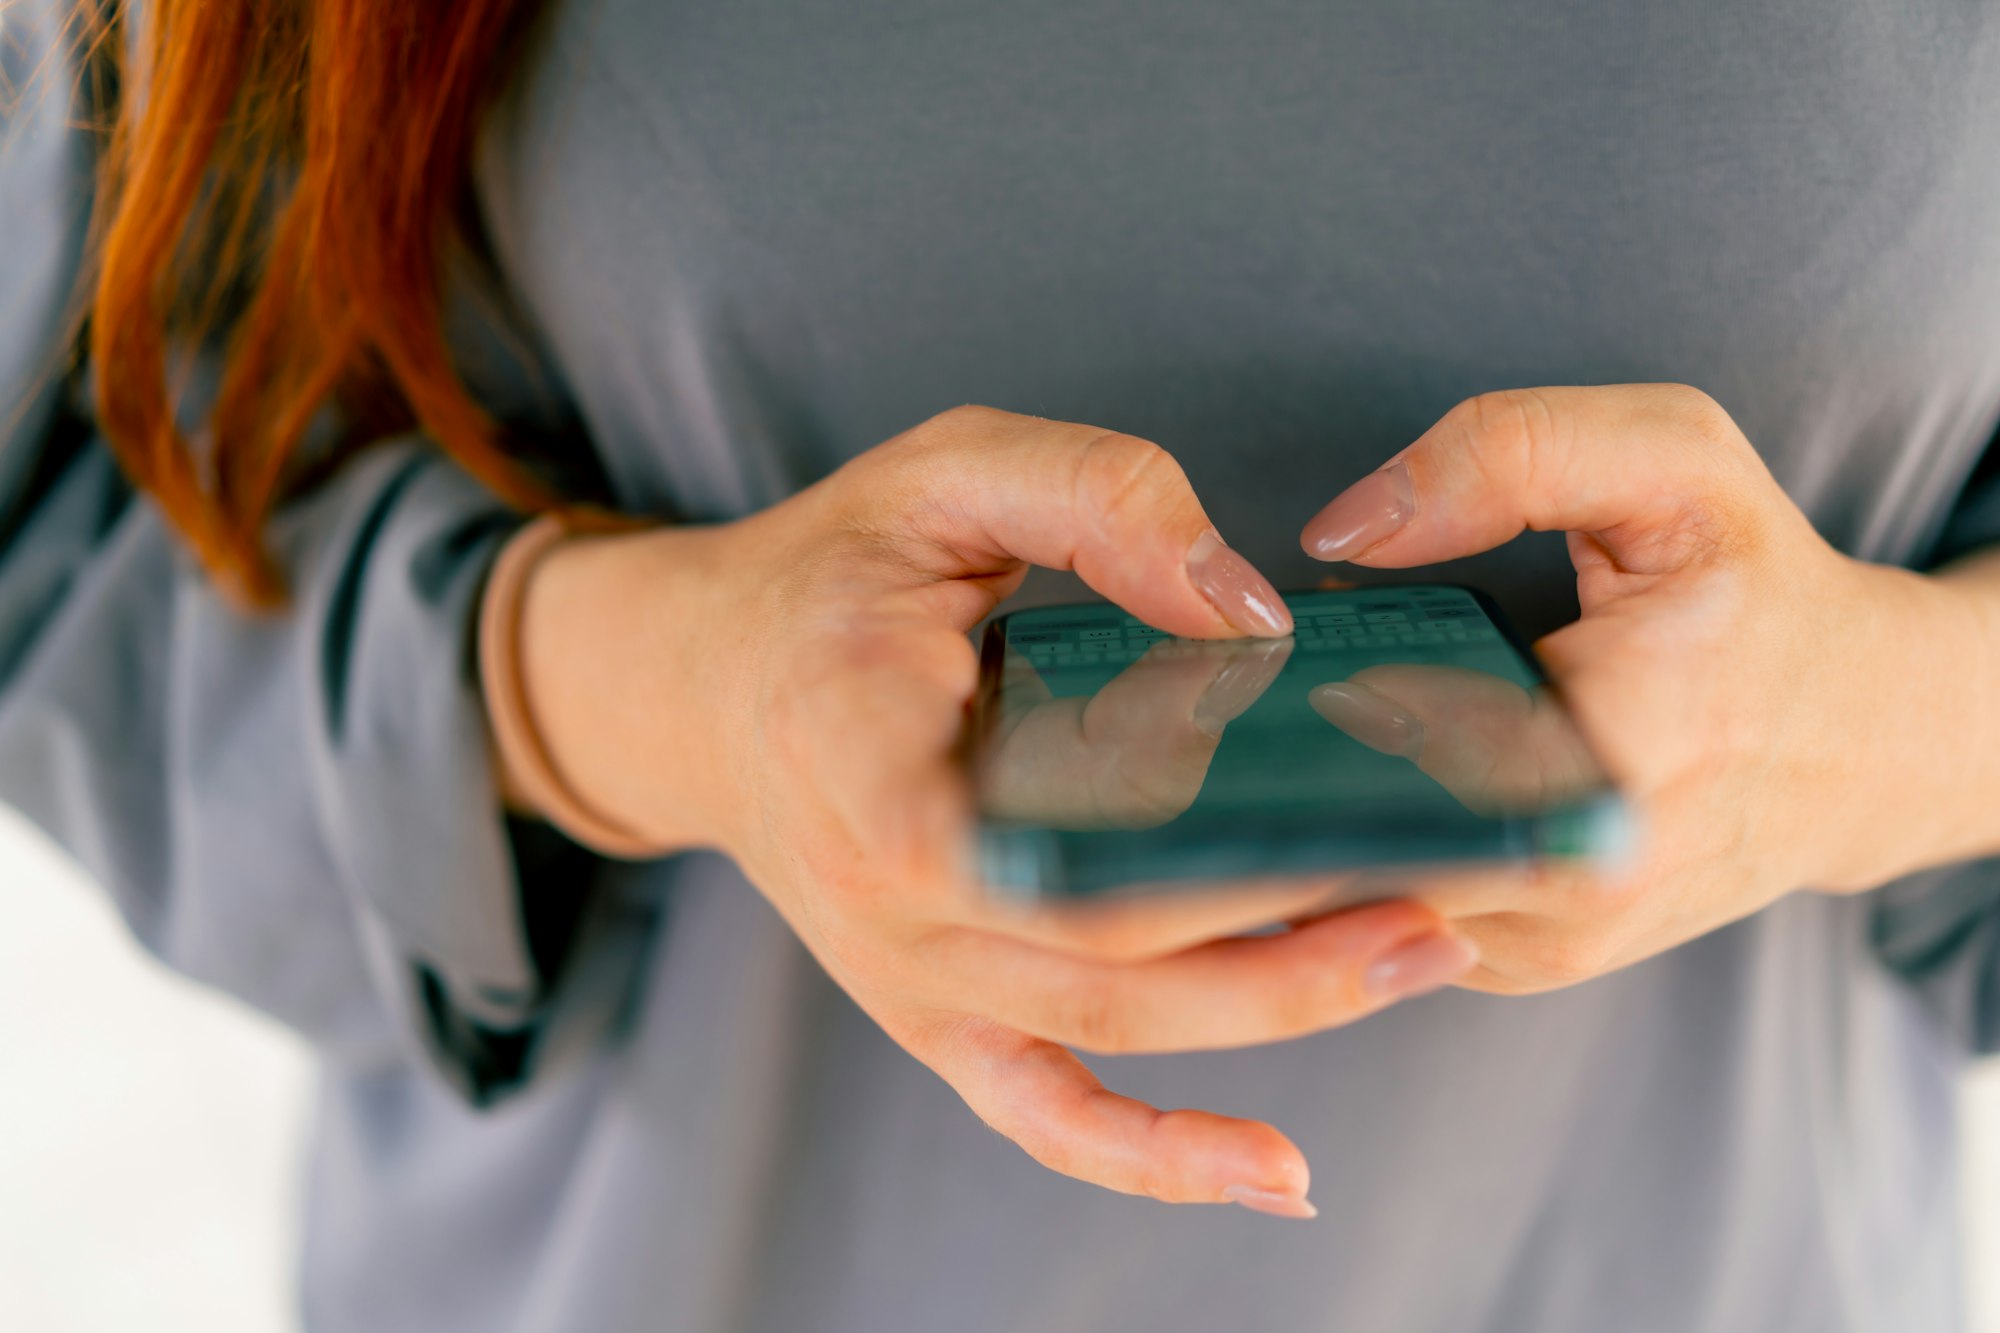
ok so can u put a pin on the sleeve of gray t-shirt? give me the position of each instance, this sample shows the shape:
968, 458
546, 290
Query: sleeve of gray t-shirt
297, 808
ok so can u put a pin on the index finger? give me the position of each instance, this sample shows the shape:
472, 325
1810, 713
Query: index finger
988, 488
1657, 472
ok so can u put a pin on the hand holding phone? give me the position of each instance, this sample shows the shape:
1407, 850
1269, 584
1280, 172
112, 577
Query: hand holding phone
791, 687
1787, 717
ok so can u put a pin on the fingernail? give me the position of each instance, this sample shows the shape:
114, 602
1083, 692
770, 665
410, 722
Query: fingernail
1364, 515
1238, 685
1270, 1201
1373, 718
1420, 966
1239, 594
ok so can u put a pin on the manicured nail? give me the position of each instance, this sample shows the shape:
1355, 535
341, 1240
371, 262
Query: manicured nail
1239, 594
1371, 717
1364, 515
1270, 1201
1420, 966
1241, 682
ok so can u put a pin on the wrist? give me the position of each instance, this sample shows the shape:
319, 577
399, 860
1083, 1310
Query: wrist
1926, 755
595, 715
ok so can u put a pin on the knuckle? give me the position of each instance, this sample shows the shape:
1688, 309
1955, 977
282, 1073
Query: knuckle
1512, 432
1499, 983
1046, 1150
1154, 1184
1322, 998
964, 419
1059, 1149
1724, 511
1313, 994
1297, 1010
1119, 475
1694, 411
905, 467
1705, 429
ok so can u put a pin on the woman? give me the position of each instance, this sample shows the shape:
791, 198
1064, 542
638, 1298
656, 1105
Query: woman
706, 258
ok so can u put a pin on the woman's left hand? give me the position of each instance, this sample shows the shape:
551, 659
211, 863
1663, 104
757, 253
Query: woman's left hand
1783, 716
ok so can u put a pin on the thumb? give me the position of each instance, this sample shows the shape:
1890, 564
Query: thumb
984, 490
1657, 473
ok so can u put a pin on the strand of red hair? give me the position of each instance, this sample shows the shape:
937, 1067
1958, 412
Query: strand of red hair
298, 169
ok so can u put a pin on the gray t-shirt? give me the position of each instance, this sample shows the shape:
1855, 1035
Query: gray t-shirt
734, 245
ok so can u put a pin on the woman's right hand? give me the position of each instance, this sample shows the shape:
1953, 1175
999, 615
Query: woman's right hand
790, 689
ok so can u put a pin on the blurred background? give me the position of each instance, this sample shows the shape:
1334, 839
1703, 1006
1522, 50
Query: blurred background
150, 1131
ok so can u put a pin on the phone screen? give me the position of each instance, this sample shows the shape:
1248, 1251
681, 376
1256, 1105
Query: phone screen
1396, 726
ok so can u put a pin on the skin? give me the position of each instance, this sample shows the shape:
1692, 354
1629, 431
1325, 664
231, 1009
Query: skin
789, 689
1784, 716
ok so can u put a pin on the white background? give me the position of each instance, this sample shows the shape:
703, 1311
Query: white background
150, 1132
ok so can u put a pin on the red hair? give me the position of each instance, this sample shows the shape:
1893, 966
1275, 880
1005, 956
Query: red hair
298, 169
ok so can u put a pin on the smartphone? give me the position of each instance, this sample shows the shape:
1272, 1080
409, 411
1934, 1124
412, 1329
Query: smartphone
1397, 727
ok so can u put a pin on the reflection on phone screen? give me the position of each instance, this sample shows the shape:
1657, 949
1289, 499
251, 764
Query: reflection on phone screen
1396, 726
